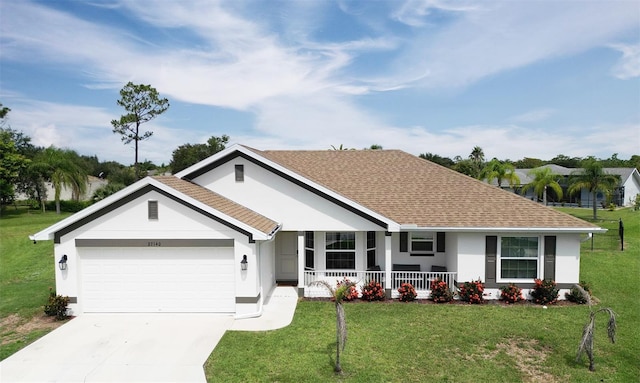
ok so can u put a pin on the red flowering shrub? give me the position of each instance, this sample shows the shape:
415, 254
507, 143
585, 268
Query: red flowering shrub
544, 292
471, 292
351, 292
511, 293
440, 292
373, 291
407, 292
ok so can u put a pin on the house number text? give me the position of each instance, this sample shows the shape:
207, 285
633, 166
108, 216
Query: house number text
154, 244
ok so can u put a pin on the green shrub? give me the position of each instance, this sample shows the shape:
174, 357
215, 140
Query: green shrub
407, 292
68, 206
544, 292
575, 295
440, 292
373, 291
511, 293
56, 306
472, 292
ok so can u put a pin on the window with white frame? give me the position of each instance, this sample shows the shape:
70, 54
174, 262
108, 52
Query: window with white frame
421, 242
340, 250
519, 257
309, 250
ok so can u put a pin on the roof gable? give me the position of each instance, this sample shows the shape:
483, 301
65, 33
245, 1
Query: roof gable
200, 199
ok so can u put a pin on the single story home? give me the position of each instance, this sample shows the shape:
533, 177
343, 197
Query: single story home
220, 235
624, 193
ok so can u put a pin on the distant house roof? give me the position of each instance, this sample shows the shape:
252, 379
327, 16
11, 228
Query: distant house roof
413, 191
526, 178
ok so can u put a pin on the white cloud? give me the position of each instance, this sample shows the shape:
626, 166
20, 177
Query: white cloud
629, 64
415, 12
534, 115
302, 91
506, 35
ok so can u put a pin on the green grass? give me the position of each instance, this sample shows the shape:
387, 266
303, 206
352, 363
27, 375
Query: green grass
26, 273
415, 342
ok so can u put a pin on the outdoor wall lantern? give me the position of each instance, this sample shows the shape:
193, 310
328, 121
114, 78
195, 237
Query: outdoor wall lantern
243, 263
62, 263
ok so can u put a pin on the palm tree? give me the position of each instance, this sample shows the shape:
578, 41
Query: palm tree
477, 157
593, 178
500, 171
543, 178
64, 169
337, 295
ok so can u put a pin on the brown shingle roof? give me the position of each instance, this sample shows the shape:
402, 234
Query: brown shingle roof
410, 190
220, 203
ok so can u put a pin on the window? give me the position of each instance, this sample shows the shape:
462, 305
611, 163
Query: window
519, 257
421, 242
371, 249
309, 252
340, 250
152, 209
239, 173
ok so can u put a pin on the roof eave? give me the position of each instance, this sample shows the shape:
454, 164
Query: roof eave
563, 230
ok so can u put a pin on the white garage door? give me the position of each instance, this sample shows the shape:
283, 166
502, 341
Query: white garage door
173, 279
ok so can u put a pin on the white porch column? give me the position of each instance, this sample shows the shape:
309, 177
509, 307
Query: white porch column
387, 263
301, 262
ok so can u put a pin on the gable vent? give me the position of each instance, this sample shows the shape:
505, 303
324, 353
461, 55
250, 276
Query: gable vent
152, 207
239, 173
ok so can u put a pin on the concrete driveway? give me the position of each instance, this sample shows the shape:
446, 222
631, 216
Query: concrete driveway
120, 348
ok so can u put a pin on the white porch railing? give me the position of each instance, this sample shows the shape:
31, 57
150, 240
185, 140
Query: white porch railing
420, 280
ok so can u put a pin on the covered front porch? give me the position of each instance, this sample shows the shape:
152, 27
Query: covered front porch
391, 259
391, 281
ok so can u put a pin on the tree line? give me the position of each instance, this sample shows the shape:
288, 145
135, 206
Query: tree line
24, 168
475, 162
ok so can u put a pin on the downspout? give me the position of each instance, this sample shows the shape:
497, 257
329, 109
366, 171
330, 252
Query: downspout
262, 297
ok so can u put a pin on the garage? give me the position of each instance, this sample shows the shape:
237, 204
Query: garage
157, 279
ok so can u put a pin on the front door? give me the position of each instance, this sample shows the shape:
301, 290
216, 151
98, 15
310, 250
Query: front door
287, 256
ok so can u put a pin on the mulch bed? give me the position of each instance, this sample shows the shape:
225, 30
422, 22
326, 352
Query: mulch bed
494, 302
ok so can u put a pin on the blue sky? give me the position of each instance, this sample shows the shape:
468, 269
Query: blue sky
519, 78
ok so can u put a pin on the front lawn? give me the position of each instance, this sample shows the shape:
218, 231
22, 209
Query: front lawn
413, 342
26, 273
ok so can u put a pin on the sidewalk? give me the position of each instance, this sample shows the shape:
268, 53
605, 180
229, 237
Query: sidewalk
277, 311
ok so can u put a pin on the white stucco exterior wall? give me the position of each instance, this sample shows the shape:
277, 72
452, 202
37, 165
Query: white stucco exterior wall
281, 200
175, 221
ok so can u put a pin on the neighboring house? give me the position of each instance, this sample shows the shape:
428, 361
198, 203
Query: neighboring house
623, 195
218, 236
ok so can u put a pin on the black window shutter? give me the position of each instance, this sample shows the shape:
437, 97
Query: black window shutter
490, 259
550, 257
404, 242
440, 242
